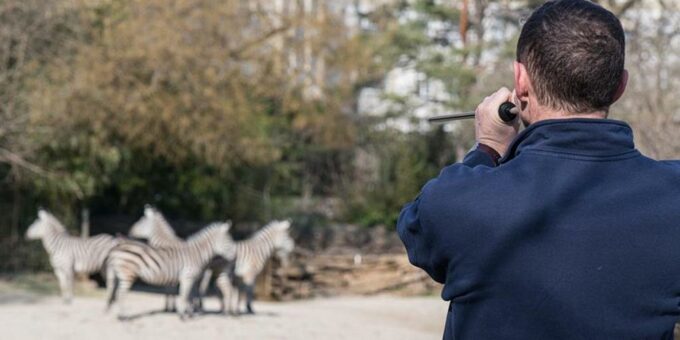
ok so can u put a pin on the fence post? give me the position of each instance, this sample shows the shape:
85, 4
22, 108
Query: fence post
85, 223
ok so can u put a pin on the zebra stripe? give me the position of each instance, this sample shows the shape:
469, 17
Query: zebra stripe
182, 265
252, 255
68, 254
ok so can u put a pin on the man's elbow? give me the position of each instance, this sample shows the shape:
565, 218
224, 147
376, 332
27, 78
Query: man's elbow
418, 249
407, 224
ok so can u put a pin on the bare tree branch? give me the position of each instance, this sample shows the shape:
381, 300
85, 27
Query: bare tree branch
12, 158
240, 52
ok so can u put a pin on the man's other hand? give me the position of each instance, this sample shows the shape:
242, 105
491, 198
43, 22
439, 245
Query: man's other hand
490, 129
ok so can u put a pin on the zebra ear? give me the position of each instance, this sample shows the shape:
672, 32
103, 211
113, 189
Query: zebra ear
285, 224
148, 211
42, 214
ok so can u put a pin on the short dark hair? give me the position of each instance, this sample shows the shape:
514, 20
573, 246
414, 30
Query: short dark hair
574, 52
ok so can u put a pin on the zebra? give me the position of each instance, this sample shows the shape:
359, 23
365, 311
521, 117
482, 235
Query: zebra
159, 234
69, 254
131, 260
251, 256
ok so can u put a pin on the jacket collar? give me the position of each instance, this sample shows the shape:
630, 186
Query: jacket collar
585, 137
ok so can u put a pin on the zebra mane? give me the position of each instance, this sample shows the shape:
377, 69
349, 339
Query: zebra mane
161, 226
268, 231
52, 221
208, 233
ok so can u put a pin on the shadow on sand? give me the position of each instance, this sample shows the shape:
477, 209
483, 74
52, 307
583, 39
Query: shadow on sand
196, 315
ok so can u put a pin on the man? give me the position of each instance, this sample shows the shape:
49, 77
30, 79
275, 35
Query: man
572, 234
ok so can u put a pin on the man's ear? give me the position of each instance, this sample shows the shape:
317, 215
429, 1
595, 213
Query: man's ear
522, 82
622, 86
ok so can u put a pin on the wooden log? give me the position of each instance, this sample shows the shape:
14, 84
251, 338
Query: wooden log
332, 274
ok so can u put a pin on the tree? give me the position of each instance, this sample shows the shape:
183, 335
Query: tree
222, 107
32, 33
650, 102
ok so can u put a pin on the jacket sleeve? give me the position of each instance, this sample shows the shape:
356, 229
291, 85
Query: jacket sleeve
419, 235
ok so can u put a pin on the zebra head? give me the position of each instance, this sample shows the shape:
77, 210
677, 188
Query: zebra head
144, 228
225, 244
45, 223
283, 243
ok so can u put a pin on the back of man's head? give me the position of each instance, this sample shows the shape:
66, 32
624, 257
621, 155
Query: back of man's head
574, 53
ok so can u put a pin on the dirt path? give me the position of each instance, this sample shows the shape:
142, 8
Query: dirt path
383, 317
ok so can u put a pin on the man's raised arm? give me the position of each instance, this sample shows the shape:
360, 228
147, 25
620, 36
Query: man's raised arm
425, 244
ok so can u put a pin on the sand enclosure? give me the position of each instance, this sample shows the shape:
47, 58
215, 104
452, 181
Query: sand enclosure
25, 316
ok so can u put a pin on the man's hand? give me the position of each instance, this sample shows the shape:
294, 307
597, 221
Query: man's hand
490, 130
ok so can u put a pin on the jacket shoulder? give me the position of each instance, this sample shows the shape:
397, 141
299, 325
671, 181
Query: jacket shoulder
674, 165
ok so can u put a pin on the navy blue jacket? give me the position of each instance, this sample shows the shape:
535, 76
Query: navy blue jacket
575, 235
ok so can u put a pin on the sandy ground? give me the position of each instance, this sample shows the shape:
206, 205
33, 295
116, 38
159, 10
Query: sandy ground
26, 316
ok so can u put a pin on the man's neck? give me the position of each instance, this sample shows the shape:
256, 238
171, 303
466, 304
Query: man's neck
537, 113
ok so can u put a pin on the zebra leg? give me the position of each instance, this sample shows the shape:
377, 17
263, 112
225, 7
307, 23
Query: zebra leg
110, 287
69, 286
195, 301
240, 297
170, 299
234, 295
247, 291
250, 294
65, 278
169, 302
226, 291
203, 288
124, 285
242, 289
183, 303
